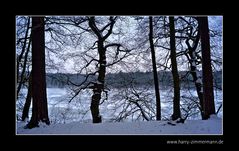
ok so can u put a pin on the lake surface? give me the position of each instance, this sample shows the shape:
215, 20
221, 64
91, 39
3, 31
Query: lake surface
118, 107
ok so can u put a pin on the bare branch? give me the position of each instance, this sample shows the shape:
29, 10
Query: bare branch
111, 27
94, 27
81, 84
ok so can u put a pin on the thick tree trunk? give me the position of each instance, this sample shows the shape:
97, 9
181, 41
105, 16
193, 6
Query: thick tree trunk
156, 84
25, 112
176, 82
39, 108
208, 96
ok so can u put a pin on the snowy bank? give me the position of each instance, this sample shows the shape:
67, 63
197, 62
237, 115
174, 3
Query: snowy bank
206, 127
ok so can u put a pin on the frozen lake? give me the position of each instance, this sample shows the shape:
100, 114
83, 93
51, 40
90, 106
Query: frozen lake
117, 107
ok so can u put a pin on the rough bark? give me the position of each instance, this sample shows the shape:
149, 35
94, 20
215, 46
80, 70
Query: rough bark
39, 106
208, 96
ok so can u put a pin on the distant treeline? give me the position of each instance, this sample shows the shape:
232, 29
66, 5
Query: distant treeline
122, 79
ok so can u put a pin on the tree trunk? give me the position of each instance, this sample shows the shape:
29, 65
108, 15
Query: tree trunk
193, 71
99, 85
176, 82
39, 107
193, 68
27, 104
19, 58
198, 85
156, 84
22, 77
208, 96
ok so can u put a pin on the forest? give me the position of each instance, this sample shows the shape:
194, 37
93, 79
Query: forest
114, 69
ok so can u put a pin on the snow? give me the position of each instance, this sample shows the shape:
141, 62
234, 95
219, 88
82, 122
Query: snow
213, 126
199, 80
75, 118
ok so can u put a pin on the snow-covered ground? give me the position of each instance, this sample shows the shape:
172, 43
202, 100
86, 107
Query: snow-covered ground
75, 117
213, 126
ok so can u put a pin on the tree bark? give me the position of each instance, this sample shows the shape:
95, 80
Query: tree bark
208, 96
193, 69
25, 112
22, 77
39, 107
19, 58
198, 86
99, 85
176, 82
156, 84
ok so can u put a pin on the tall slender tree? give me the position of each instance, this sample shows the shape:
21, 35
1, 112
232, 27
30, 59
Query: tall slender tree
156, 84
25, 112
39, 108
25, 47
208, 96
176, 82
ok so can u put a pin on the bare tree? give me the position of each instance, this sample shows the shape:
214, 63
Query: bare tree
23, 56
186, 32
208, 96
190, 35
131, 101
158, 107
176, 82
25, 112
99, 86
98, 45
99, 28
39, 108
